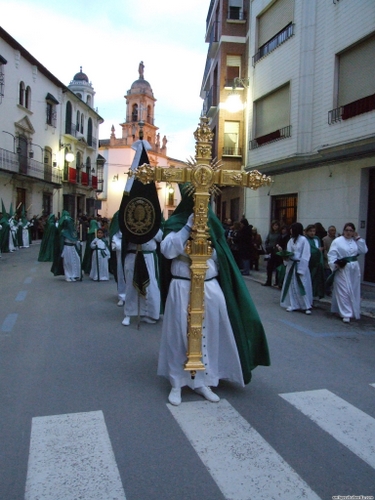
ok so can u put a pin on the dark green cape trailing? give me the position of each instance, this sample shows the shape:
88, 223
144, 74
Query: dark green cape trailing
247, 327
65, 230
316, 266
46, 251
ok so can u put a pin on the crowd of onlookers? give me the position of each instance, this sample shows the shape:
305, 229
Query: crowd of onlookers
248, 247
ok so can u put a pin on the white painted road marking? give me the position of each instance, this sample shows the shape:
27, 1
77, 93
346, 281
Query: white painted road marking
71, 457
21, 296
347, 424
241, 462
9, 322
28, 280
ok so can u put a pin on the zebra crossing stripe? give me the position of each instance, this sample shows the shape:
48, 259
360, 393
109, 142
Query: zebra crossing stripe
373, 385
71, 457
347, 424
240, 461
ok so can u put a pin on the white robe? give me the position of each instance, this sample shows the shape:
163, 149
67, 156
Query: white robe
99, 260
302, 253
71, 261
149, 305
26, 236
12, 235
116, 245
219, 350
346, 295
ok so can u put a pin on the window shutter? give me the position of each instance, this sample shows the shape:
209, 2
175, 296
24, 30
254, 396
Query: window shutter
273, 112
275, 19
357, 72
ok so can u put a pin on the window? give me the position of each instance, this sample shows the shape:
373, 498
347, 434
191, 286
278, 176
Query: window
235, 9
51, 109
68, 118
231, 139
284, 208
21, 94
275, 26
89, 132
88, 100
272, 117
233, 69
356, 95
2, 63
82, 122
135, 113
78, 121
28, 97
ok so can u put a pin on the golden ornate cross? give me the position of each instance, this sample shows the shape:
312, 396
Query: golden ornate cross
204, 175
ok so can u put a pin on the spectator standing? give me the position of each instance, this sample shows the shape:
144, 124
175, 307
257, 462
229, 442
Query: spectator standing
271, 249
257, 250
245, 243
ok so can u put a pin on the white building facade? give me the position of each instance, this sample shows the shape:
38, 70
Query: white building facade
311, 115
38, 127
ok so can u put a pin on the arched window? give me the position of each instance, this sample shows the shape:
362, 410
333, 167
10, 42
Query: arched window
82, 122
149, 115
79, 95
68, 118
21, 97
89, 132
135, 113
28, 98
88, 100
78, 120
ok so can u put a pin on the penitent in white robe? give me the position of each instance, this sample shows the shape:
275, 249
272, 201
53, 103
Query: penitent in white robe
219, 350
346, 295
99, 258
71, 261
149, 305
302, 253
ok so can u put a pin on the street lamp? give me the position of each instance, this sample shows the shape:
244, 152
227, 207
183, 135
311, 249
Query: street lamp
234, 102
69, 157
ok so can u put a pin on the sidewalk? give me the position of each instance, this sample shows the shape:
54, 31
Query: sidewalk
368, 292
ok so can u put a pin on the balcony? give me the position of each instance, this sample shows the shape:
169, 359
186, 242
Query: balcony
272, 44
232, 151
19, 164
352, 109
277, 135
210, 103
213, 40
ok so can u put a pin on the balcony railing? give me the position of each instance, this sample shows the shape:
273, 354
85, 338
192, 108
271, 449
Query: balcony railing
232, 151
277, 135
272, 44
352, 109
236, 13
20, 164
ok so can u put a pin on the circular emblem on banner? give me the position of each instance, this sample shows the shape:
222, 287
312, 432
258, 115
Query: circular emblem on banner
139, 216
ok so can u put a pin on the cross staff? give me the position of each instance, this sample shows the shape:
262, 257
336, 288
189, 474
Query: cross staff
204, 175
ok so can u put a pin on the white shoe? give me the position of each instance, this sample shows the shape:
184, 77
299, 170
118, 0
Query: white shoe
120, 303
207, 393
175, 396
126, 321
146, 319
346, 320
308, 311
289, 309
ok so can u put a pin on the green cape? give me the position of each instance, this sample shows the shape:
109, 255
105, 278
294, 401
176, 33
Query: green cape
46, 250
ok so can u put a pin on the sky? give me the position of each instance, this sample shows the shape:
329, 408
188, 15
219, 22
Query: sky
109, 39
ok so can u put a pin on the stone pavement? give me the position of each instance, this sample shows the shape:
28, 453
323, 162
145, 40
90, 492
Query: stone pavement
368, 292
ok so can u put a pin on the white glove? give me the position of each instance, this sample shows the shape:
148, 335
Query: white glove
190, 220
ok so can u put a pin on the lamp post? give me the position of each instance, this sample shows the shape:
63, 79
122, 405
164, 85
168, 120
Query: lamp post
234, 103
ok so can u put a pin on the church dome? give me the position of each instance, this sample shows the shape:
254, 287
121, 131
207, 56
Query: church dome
81, 77
141, 86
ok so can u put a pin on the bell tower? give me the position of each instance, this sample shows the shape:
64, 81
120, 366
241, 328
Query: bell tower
140, 107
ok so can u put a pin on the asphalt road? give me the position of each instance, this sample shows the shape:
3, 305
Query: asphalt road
83, 414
